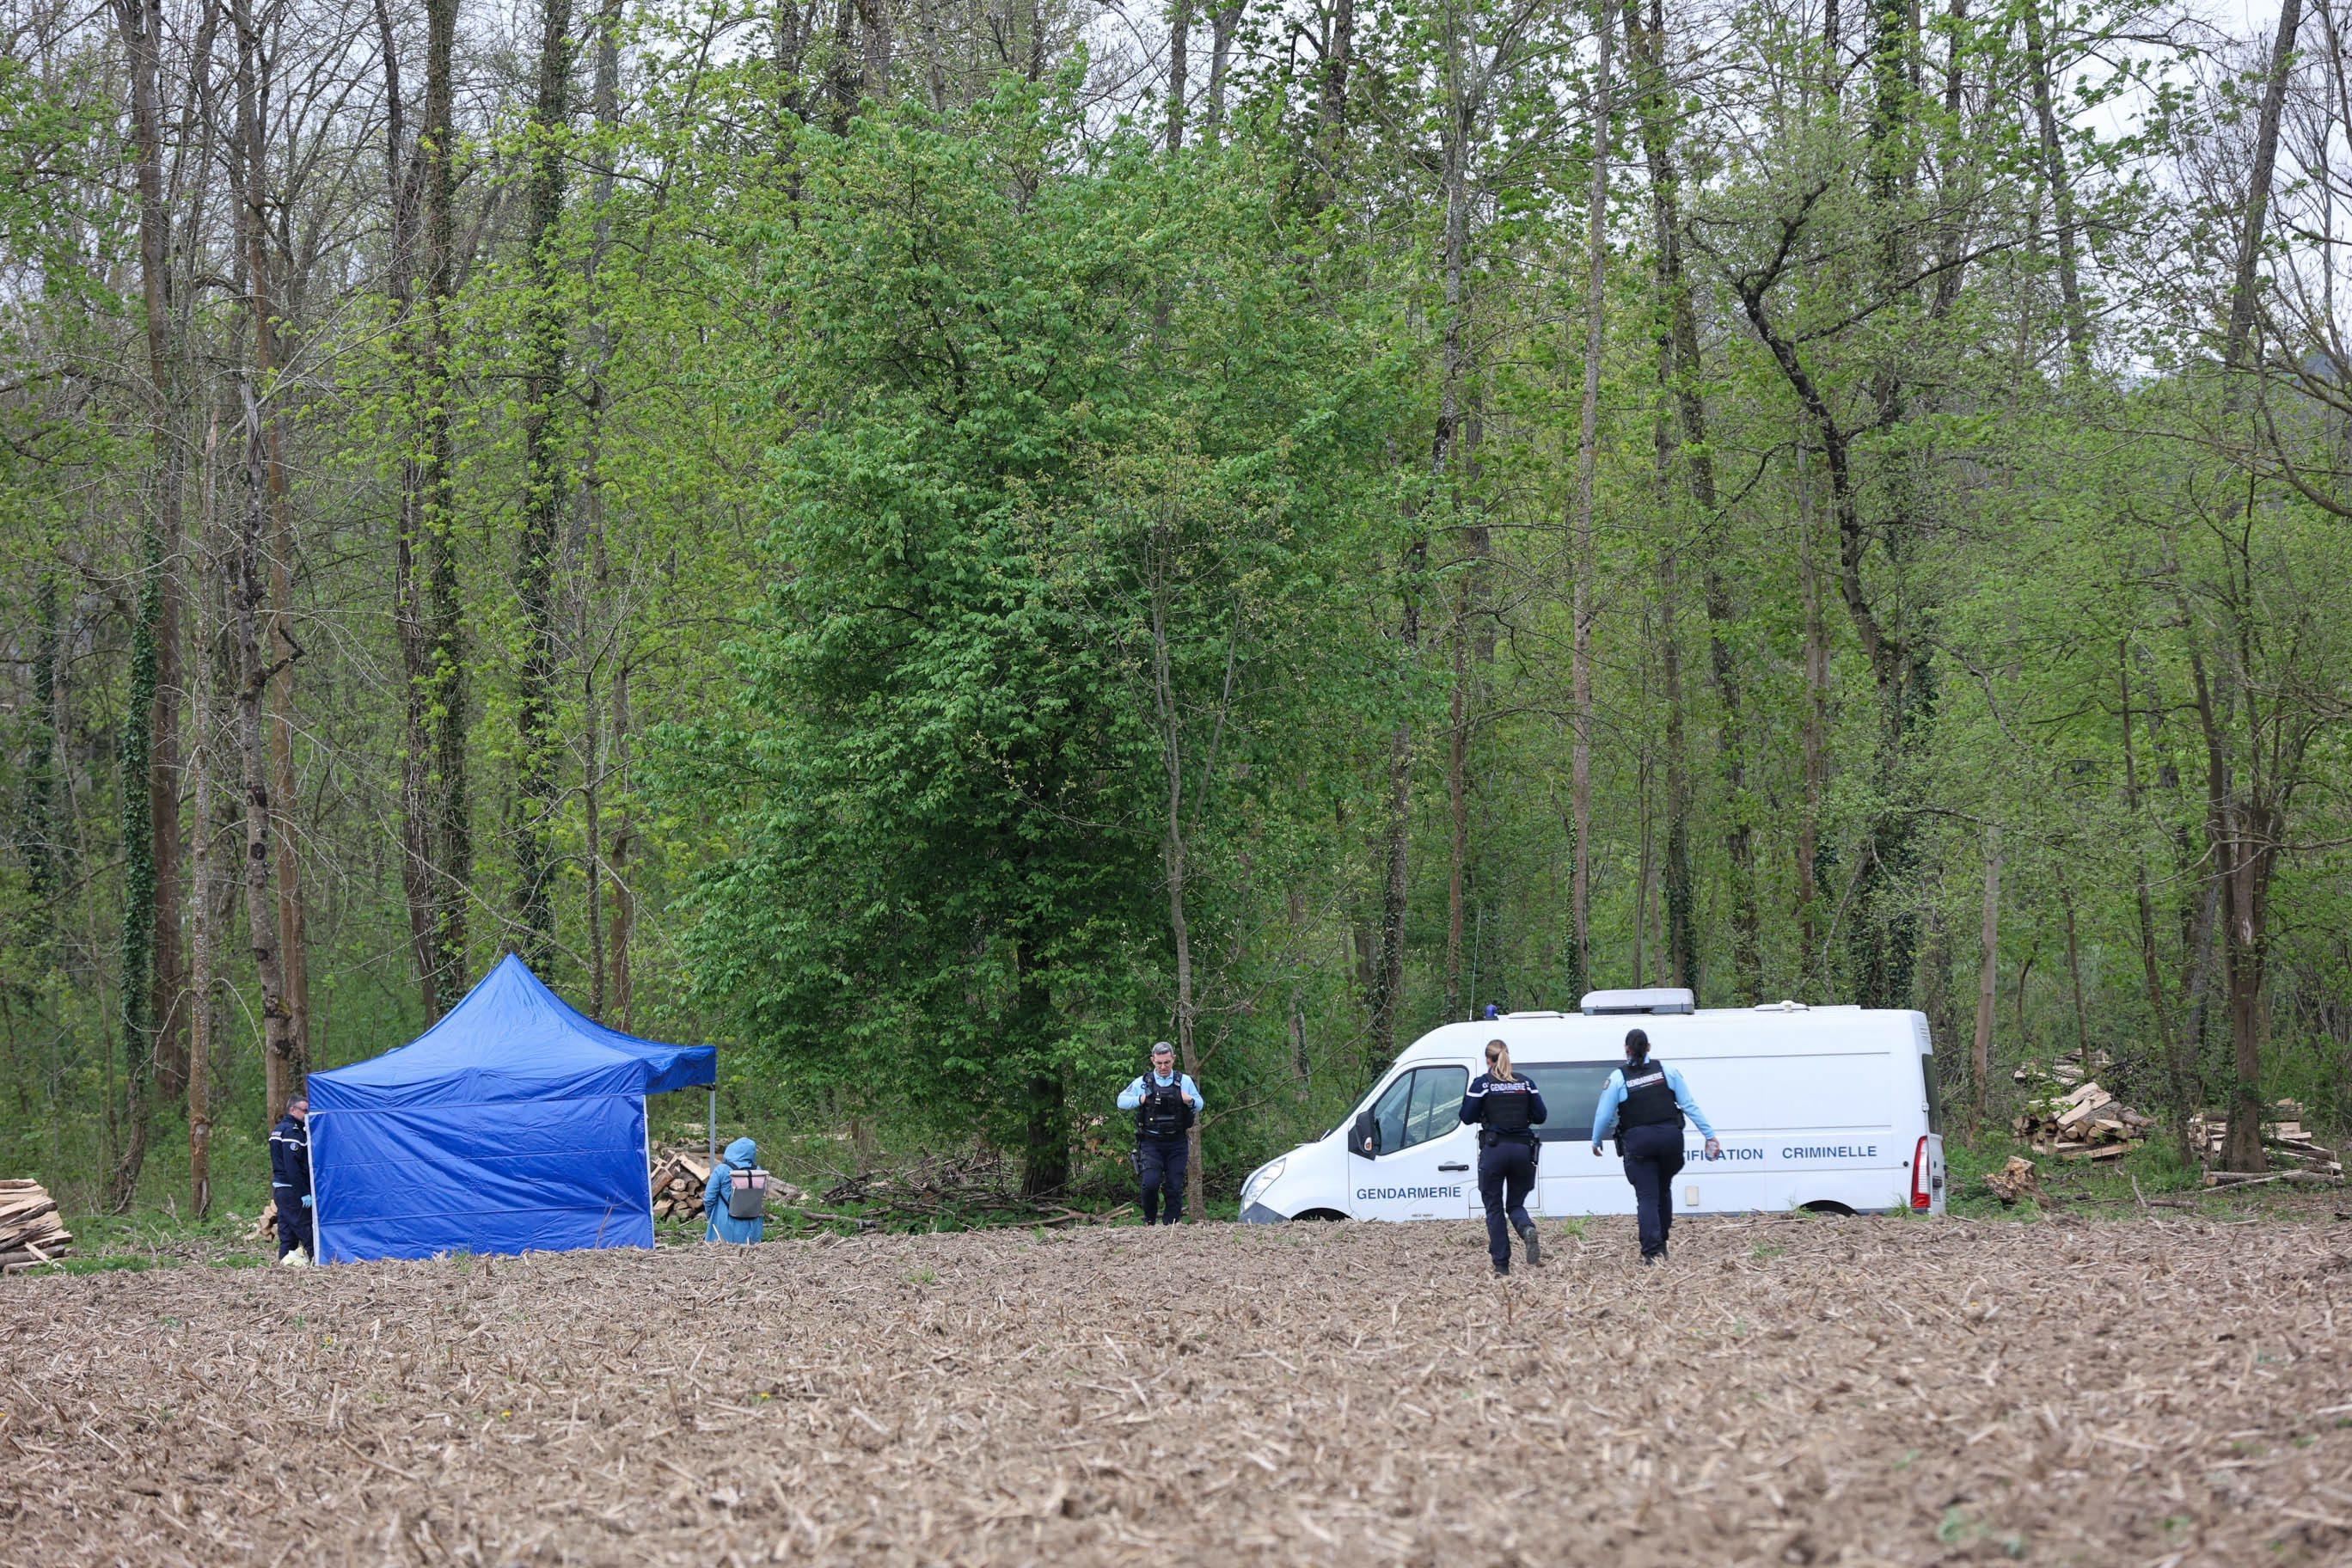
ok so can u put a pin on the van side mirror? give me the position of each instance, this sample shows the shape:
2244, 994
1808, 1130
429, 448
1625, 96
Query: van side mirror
1364, 1138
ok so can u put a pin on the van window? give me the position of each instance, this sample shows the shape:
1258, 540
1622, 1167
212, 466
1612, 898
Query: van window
1420, 1105
1571, 1090
1935, 1095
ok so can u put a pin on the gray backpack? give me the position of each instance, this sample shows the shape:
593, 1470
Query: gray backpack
747, 1193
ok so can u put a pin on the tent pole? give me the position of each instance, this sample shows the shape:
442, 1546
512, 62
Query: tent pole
714, 1124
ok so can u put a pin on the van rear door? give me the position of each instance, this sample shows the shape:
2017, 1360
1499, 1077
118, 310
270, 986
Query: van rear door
1930, 1179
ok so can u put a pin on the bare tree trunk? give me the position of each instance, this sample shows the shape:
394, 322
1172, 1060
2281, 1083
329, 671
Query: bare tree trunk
292, 938
1460, 110
2178, 1072
1646, 46
48, 834
1814, 737
1458, 801
625, 899
2062, 193
1582, 558
1180, 929
875, 42
2258, 195
2247, 944
1679, 894
1388, 969
538, 796
2075, 979
442, 695
1331, 98
293, 935
1682, 940
592, 639
1642, 863
1988, 977
1179, 43
404, 173
203, 762
151, 818
1223, 22
935, 72
844, 70
2239, 873
283, 1067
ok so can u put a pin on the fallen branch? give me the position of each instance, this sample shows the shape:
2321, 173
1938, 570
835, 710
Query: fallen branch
2260, 1178
825, 1216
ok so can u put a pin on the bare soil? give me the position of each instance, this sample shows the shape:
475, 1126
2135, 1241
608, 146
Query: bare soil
1785, 1390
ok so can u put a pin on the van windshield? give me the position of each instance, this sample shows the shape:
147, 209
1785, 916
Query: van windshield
1571, 1090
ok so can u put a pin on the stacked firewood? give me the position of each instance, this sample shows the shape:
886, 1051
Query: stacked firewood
679, 1179
2290, 1151
2064, 1072
32, 1232
2085, 1122
2015, 1180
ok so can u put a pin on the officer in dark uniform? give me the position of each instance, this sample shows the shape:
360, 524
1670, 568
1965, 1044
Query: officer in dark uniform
1646, 1100
289, 1178
1165, 1103
1507, 1108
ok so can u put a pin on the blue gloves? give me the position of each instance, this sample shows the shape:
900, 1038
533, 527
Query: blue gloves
306, 1200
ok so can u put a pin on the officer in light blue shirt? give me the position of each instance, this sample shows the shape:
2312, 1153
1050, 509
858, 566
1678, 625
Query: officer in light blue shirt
1166, 1103
1645, 1101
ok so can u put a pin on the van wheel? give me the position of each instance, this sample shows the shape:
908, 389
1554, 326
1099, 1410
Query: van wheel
1825, 1206
1318, 1214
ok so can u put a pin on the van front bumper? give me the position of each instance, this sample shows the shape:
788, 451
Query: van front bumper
1259, 1214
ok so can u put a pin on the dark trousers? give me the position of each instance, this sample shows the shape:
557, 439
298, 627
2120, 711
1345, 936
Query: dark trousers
1159, 1165
1506, 1171
1653, 1158
294, 1226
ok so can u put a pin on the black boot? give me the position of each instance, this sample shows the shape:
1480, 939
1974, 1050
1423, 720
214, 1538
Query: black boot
1534, 1248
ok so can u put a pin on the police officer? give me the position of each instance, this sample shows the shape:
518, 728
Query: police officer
290, 1179
1507, 1110
1166, 1103
1646, 1100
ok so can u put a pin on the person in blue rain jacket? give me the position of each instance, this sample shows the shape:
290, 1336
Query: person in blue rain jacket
741, 1155
1646, 1101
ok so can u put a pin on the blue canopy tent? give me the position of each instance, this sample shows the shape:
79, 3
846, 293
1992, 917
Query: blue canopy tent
515, 1124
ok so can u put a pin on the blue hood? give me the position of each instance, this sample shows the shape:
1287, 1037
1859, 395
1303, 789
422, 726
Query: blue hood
742, 1153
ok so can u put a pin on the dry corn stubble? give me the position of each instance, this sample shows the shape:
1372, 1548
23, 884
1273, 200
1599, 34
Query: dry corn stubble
1784, 1391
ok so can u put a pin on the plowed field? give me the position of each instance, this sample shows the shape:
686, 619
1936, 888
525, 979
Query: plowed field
1784, 1391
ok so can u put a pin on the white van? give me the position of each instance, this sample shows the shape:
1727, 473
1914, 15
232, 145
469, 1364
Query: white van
1832, 1108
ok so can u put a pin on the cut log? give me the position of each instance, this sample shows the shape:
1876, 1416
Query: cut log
2014, 1180
32, 1231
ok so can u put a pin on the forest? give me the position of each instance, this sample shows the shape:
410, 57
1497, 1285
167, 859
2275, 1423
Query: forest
930, 543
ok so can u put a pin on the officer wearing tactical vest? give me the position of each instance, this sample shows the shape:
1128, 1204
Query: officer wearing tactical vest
1646, 1100
1166, 1103
1507, 1108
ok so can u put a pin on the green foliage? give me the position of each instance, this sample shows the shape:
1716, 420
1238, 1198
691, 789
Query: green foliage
1060, 417
964, 532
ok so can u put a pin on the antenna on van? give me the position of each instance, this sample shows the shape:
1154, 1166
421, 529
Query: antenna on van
1653, 1000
